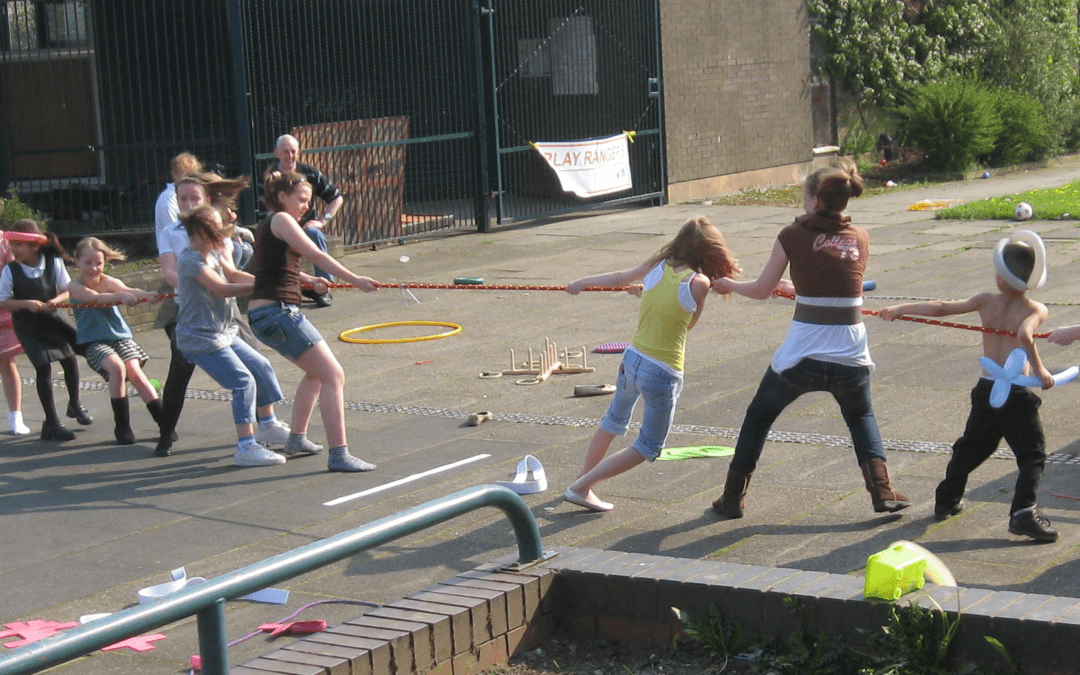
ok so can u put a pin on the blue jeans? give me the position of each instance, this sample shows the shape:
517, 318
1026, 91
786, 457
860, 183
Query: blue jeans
640, 378
316, 235
849, 385
246, 372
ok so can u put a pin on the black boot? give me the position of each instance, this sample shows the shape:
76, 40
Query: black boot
122, 415
158, 413
1030, 523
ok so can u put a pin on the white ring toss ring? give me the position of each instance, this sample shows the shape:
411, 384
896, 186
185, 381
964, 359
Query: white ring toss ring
1038, 272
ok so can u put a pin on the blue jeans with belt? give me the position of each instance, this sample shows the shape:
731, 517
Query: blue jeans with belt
849, 385
316, 235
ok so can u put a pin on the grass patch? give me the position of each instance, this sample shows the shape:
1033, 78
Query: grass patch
791, 195
1048, 204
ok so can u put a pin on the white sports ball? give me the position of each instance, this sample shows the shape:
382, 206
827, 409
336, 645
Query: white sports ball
1024, 211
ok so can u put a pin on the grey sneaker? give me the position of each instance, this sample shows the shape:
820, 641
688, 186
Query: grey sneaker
299, 445
275, 432
251, 453
341, 460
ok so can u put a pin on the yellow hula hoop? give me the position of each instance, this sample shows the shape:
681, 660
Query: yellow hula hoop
345, 336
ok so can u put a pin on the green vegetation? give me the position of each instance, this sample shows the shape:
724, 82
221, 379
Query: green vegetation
916, 641
12, 208
894, 61
1049, 204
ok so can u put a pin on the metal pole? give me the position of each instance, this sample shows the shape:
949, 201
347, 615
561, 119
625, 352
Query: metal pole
483, 189
213, 644
240, 99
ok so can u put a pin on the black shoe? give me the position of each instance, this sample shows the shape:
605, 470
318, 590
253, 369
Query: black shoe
324, 300
309, 293
1030, 523
80, 414
945, 511
164, 447
56, 432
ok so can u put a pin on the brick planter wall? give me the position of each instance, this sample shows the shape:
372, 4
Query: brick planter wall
481, 618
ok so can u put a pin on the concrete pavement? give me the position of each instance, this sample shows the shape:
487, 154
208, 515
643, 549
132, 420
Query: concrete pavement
85, 524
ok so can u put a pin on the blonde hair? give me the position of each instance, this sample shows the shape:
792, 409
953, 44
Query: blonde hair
835, 185
185, 162
701, 247
94, 244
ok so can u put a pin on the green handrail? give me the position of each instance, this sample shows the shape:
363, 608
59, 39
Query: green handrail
207, 599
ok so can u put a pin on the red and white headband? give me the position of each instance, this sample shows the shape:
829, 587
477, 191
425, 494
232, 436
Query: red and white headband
27, 237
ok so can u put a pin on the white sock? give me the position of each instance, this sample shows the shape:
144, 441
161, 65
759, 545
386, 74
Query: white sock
268, 420
16, 421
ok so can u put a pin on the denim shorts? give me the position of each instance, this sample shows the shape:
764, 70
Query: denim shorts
284, 329
659, 388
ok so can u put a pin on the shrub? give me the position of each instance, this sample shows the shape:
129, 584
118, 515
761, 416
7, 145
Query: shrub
1024, 133
12, 208
953, 122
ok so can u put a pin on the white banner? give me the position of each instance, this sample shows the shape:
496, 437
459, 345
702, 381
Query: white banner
590, 168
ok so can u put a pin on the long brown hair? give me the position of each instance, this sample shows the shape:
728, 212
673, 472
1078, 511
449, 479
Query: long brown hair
201, 221
50, 247
701, 247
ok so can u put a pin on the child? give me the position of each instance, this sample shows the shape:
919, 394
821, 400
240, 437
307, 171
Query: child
206, 332
106, 338
31, 286
676, 281
9, 349
275, 318
1020, 263
826, 347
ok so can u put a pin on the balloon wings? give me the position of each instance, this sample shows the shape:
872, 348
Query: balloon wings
1010, 374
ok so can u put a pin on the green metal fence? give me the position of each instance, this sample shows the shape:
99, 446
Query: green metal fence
207, 600
421, 110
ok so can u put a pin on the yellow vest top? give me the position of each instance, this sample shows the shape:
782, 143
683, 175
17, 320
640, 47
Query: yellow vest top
667, 307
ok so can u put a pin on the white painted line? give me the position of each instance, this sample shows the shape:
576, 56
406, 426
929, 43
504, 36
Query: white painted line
407, 479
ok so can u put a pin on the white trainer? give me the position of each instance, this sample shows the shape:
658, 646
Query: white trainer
275, 432
251, 453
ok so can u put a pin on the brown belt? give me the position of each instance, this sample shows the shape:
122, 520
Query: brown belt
827, 316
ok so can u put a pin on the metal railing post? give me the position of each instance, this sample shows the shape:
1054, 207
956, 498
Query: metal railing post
213, 644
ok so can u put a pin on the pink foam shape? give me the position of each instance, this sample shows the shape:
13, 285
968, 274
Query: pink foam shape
33, 630
139, 643
196, 662
316, 626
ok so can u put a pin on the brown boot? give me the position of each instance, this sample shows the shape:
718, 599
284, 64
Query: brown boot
885, 498
732, 502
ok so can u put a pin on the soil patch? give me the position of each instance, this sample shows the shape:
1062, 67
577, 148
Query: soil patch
561, 656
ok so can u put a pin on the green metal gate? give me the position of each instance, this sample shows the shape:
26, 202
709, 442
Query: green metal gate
569, 70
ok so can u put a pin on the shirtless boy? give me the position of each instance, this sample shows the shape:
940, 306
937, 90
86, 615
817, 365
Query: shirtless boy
1020, 261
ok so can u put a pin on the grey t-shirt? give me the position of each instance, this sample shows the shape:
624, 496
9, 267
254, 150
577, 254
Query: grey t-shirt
204, 322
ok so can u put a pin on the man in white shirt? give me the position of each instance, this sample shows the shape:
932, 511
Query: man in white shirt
166, 212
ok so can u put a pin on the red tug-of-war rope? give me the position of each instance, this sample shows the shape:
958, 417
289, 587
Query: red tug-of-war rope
509, 287
102, 305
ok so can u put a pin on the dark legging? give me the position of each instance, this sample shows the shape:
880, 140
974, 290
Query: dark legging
43, 374
175, 389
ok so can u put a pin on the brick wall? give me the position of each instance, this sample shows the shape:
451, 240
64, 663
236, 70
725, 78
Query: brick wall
735, 90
